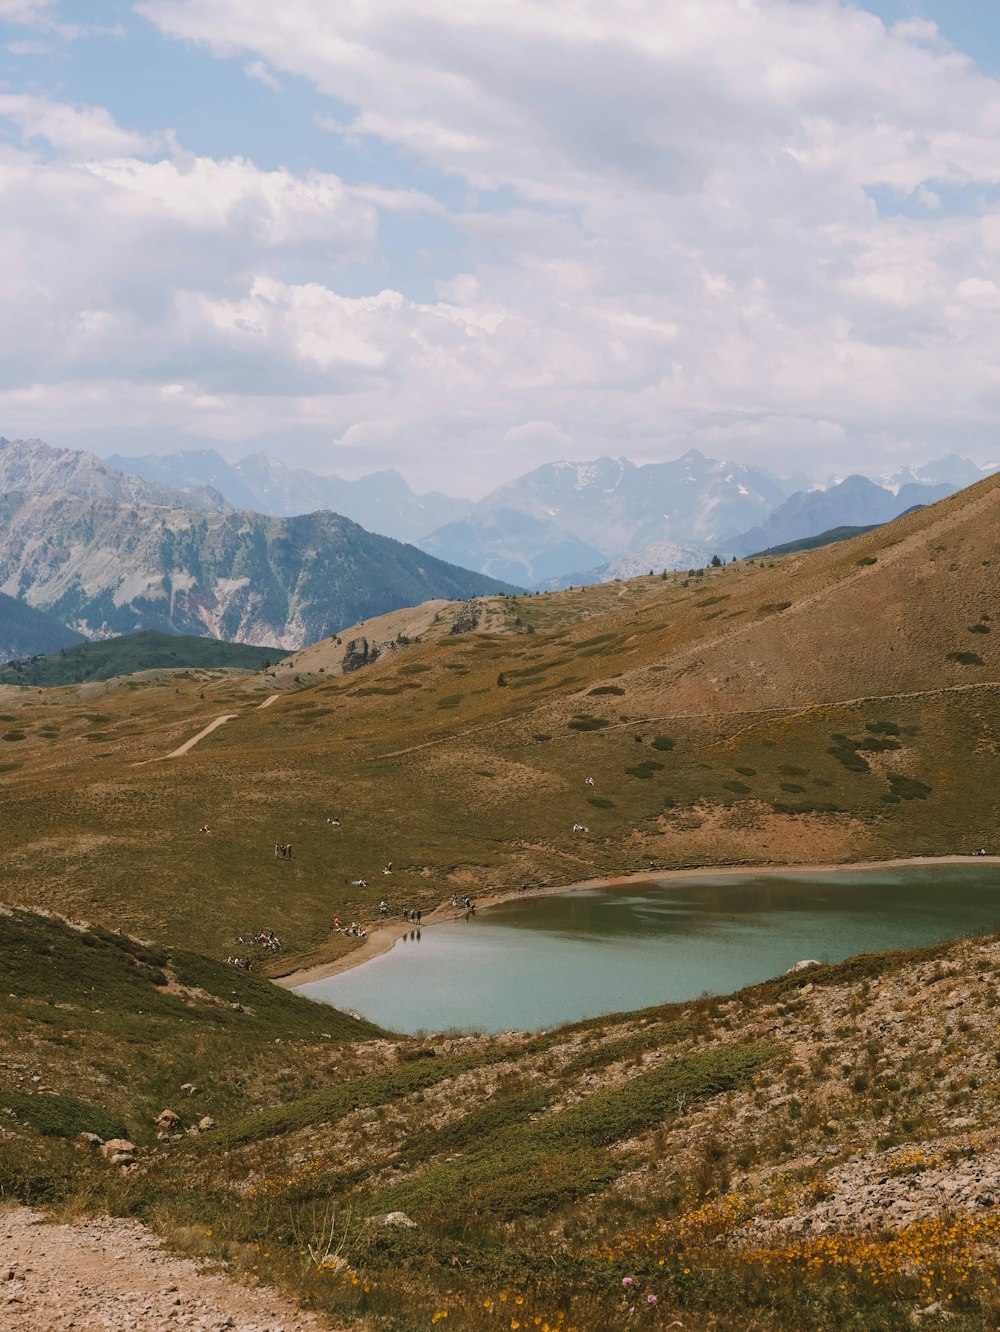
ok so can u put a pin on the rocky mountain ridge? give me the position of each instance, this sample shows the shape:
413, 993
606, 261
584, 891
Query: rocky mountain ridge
104, 567
32, 467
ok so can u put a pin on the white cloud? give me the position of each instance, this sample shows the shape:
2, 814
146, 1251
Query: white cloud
258, 71
685, 246
76, 131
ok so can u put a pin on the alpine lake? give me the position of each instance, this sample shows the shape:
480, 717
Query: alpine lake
535, 962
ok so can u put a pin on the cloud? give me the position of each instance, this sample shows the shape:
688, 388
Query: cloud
755, 225
76, 131
257, 70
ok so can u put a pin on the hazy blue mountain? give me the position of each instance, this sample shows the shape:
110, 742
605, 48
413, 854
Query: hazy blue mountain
25, 631
854, 502
108, 568
512, 545
611, 507
952, 470
382, 501
190, 468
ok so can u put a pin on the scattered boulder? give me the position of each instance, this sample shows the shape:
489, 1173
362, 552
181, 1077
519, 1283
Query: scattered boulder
119, 1152
801, 966
188, 1088
168, 1119
394, 1219
89, 1141
205, 1123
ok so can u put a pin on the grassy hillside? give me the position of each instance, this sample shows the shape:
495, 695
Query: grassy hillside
836, 705
135, 652
818, 1152
25, 631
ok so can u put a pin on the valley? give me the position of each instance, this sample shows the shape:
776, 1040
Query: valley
832, 706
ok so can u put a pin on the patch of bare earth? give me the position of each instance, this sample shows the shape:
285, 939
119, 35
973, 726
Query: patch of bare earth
110, 1275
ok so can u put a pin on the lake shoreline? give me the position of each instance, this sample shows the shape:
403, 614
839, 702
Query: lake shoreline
383, 936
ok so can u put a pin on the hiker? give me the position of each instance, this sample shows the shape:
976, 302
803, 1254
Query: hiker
288, 850
589, 781
388, 868
418, 914
277, 850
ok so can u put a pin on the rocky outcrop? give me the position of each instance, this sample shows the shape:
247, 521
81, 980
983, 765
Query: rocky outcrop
468, 619
359, 652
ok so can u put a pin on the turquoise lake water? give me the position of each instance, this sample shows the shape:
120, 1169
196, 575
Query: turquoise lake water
536, 962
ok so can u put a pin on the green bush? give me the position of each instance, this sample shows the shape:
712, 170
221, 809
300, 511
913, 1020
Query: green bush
908, 788
607, 689
662, 743
588, 723
963, 659
60, 1116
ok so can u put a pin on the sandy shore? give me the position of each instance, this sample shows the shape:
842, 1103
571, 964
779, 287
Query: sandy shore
383, 935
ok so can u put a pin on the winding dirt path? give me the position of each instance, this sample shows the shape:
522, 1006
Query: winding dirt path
268, 701
110, 1275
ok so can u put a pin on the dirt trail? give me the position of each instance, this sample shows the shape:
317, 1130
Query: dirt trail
268, 701
190, 744
110, 1275
801, 711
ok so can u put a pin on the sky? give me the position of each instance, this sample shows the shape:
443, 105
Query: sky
462, 240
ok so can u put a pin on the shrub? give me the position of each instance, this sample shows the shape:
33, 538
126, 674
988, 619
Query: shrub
966, 658
738, 788
662, 743
867, 559
607, 689
908, 787
588, 723
600, 803
645, 770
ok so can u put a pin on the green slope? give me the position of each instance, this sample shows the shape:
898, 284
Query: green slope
25, 630
135, 652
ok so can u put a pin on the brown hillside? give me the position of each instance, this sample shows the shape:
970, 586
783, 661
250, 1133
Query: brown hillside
717, 727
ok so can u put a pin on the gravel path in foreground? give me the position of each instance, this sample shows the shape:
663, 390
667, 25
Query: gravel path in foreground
110, 1275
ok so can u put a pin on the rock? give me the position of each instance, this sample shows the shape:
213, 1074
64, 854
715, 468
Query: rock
189, 1088
205, 1123
119, 1152
359, 652
168, 1119
801, 966
88, 1141
394, 1219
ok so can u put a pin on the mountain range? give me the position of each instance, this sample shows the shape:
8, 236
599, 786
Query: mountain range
566, 522
184, 546
381, 501
105, 567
